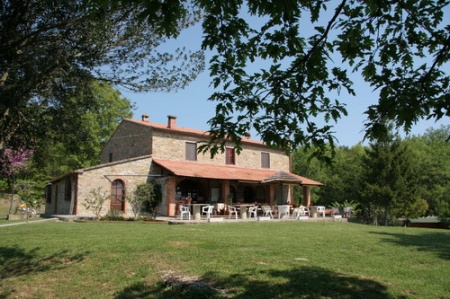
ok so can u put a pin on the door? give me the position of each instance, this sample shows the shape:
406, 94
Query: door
118, 195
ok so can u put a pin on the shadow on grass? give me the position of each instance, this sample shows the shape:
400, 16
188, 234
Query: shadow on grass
435, 242
16, 261
304, 282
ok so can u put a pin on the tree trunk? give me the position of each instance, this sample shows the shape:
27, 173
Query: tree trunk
11, 192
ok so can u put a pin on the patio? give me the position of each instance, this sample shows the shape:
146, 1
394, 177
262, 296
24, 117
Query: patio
206, 213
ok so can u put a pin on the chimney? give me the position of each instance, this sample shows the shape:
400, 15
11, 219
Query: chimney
171, 121
248, 135
145, 117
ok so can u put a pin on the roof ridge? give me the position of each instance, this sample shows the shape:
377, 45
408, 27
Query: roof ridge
188, 130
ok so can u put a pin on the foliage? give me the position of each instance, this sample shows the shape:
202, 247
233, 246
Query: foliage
342, 178
391, 183
12, 164
275, 77
401, 178
30, 193
433, 158
142, 194
12, 161
50, 51
95, 201
59, 153
146, 197
347, 203
113, 215
442, 207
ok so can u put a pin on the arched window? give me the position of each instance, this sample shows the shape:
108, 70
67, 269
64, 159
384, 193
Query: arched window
118, 195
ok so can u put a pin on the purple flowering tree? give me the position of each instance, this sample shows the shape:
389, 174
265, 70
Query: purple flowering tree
12, 163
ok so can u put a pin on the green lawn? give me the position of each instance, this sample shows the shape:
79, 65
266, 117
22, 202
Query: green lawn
225, 260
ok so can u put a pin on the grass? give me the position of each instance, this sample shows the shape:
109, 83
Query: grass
238, 260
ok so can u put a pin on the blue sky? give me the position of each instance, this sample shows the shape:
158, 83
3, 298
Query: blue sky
193, 110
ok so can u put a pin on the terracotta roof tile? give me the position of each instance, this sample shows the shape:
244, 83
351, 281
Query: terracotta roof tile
222, 172
184, 130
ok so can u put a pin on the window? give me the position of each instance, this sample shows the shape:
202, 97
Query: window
191, 151
110, 158
117, 195
265, 160
230, 157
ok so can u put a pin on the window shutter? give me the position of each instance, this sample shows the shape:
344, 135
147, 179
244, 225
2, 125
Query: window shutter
191, 151
265, 160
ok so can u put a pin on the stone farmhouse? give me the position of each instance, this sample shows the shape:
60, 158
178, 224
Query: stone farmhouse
140, 151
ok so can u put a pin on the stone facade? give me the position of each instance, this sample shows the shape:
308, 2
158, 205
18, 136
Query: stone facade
134, 139
128, 141
171, 146
131, 172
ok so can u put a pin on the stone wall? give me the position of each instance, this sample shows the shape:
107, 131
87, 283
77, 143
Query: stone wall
138, 139
171, 146
128, 141
132, 173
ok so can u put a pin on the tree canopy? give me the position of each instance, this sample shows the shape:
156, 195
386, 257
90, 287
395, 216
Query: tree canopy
275, 75
50, 50
389, 179
64, 149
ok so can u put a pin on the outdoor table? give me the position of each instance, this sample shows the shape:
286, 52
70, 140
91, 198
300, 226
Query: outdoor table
243, 209
197, 210
313, 211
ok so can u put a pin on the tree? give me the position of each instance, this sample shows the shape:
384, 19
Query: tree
143, 194
342, 179
50, 50
274, 77
30, 194
81, 148
146, 197
391, 185
95, 201
433, 158
13, 162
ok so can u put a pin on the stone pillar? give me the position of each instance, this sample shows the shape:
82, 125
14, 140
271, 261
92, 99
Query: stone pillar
307, 195
271, 194
170, 195
225, 191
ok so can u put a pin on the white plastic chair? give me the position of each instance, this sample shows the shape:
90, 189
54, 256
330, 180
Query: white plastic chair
208, 210
320, 210
300, 211
232, 210
283, 210
252, 211
184, 210
267, 211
